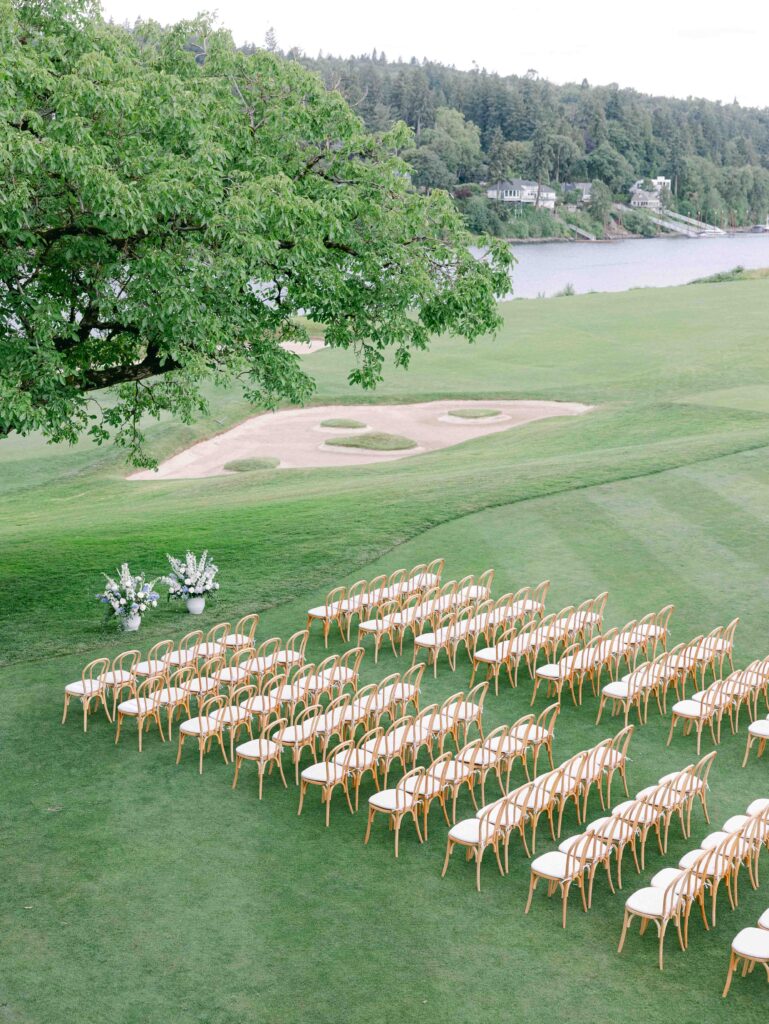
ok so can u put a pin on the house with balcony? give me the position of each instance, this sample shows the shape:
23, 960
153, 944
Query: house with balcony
525, 193
649, 198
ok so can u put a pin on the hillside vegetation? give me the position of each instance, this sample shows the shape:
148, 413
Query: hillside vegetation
475, 125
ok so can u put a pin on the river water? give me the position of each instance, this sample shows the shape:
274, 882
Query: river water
546, 268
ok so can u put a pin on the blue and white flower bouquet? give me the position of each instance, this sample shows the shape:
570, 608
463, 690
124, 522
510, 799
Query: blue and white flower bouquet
129, 595
191, 577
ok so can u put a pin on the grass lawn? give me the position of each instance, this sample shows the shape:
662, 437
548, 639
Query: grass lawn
135, 890
376, 441
473, 414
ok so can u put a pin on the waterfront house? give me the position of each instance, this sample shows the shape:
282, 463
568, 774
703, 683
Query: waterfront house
523, 192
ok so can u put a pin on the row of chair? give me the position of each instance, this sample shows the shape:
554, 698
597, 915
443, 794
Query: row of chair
343, 603
672, 892
546, 794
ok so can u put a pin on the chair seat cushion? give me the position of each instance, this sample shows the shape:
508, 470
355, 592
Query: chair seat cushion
150, 668
648, 901
200, 726
237, 640
759, 728
83, 687
257, 750
140, 706
324, 773
172, 695
752, 943
758, 805
231, 715
182, 657
117, 678
391, 800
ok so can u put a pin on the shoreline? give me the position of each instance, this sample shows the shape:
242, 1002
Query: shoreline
629, 237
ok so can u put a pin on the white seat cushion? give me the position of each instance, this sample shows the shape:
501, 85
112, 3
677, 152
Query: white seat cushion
551, 864
690, 709
172, 695
257, 750
735, 823
150, 668
469, 831
550, 671
210, 650
143, 706
203, 684
648, 901
199, 726
233, 674
259, 665
752, 943
231, 715
237, 640
763, 921
117, 678
325, 773
391, 800
620, 690
760, 728
297, 733
758, 805
259, 704
182, 657
82, 688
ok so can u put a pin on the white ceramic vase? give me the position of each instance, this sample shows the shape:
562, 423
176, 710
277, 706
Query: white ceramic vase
131, 623
196, 605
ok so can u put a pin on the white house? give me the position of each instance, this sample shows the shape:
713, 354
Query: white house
523, 192
578, 191
649, 199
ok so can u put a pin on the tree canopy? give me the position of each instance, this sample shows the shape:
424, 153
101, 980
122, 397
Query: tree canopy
171, 208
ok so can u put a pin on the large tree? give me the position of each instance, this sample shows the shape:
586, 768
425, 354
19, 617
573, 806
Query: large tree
169, 210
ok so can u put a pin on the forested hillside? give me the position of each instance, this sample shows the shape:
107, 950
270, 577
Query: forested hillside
472, 125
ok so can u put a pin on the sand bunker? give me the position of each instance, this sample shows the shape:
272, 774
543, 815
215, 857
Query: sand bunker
295, 438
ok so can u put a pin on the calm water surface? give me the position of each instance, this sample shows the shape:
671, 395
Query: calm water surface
544, 269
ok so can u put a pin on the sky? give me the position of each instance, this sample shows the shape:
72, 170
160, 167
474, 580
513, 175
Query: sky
683, 48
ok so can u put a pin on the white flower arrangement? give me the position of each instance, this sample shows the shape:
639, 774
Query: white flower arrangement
193, 577
128, 594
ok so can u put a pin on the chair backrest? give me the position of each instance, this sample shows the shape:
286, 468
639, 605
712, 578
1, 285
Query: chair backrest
374, 737
383, 612
127, 661
539, 594
523, 729
448, 589
307, 720
413, 676
567, 658
540, 636
494, 739
214, 703
396, 582
546, 719
350, 661
449, 711
343, 754
296, 683
676, 892
471, 754
334, 598
728, 634
324, 672
582, 853
149, 688
356, 595
190, 644
485, 581
477, 695
247, 626
243, 693
403, 798
297, 642
365, 700
436, 567
265, 655
210, 668
274, 731
711, 696
161, 651
756, 828
217, 633
481, 615
415, 579
427, 720
577, 768
439, 769
599, 607
701, 770
375, 588
181, 678
621, 741
663, 616
401, 727
92, 675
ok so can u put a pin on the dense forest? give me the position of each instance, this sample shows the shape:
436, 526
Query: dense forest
471, 126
